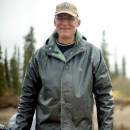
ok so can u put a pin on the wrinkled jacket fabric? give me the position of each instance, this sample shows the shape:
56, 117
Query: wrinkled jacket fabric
62, 88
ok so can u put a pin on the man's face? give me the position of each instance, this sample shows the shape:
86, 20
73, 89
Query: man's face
66, 25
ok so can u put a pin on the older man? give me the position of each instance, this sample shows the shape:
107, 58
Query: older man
61, 79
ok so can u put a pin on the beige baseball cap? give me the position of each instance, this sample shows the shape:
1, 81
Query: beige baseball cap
67, 8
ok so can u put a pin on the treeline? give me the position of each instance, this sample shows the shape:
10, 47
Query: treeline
116, 71
13, 71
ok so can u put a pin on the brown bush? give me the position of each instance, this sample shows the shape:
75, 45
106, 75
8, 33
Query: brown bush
9, 101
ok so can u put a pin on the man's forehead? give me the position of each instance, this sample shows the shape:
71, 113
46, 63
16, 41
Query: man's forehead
64, 14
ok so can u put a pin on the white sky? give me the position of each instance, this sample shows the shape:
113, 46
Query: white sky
113, 16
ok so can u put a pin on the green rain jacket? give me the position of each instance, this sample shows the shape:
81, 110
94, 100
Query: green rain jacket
62, 88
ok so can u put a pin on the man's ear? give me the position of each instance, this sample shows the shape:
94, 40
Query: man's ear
54, 22
79, 22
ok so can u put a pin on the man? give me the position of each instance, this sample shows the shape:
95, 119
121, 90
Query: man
61, 79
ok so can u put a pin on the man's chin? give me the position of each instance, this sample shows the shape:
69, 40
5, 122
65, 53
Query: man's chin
65, 37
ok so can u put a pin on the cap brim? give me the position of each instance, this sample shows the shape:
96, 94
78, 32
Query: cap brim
67, 12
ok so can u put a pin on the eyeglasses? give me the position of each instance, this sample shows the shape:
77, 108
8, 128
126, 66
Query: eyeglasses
69, 19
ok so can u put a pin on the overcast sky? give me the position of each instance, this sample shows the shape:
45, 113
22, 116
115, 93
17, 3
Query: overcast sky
113, 16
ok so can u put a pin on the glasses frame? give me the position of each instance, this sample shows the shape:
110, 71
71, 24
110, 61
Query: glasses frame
62, 19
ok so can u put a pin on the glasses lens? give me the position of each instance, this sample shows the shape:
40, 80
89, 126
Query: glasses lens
69, 19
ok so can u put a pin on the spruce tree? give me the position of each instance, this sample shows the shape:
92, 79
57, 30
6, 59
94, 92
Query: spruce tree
2, 74
104, 49
7, 74
123, 67
15, 73
29, 48
116, 66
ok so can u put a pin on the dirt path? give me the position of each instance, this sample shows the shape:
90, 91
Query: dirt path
121, 117
5, 114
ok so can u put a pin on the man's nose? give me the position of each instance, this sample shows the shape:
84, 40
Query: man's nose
65, 20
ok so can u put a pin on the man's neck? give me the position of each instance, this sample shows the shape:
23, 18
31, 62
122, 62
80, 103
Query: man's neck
65, 40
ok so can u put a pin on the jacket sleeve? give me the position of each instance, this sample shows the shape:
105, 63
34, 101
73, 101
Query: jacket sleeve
102, 89
28, 99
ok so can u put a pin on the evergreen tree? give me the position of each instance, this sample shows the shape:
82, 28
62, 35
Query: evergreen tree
29, 48
15, 73
104, 49
116, 67
19, 65
2, 74
123, 66
7, 74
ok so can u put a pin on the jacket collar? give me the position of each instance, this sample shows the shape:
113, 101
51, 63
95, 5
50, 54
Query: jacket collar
52, 49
